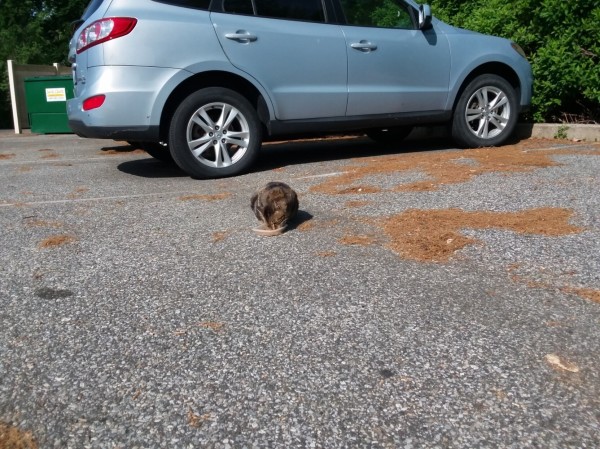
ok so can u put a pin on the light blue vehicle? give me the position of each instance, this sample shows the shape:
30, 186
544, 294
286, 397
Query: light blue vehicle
204, 81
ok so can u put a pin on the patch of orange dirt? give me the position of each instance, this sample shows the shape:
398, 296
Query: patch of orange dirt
12, 437
219, 236
359, 190
48, 153
306, 225
356, 203
197, 421
78, 192
4, 156
524, 280
449, 167
215, 197
316, 224
116, 150
586, 293
363, 240
56, 240
434, 235
326, 253
43, 223
212, 325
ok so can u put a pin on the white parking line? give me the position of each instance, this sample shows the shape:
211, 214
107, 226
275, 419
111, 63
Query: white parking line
143, 195
59, 160
83, 200
324, 175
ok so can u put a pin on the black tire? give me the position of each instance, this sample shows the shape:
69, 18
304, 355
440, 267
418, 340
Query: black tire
486, 112
135, 144
157, 150
390, 135
215, 132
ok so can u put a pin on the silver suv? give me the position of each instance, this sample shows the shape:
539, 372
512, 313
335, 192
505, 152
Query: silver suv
204, 81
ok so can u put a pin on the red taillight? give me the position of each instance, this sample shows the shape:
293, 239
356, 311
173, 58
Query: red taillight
93, 102
104, 30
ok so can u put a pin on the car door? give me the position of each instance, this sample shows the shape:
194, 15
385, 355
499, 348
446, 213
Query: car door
290, 50
393, 67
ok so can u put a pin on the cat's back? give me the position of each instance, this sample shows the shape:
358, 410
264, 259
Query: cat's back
275, 195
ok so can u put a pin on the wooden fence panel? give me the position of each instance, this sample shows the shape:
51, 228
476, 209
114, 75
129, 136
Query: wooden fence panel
17, 73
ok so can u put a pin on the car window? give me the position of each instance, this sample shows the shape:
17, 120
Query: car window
91, 8
238, 6
196, 4
379, 13
309, 10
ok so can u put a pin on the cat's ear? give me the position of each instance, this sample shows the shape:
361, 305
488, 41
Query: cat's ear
253, 200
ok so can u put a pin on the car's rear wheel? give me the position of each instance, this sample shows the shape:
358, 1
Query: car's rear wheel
215, 132
486, 113
389, 135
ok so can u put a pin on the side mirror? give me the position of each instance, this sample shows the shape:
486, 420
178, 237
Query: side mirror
424, 17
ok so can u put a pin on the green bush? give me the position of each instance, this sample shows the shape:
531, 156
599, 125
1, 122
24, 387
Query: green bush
561, 39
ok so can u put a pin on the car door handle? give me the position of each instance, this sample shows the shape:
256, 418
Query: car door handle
364, 46
241, 36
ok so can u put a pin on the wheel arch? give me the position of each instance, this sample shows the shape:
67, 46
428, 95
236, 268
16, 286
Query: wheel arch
490, 68
213, 79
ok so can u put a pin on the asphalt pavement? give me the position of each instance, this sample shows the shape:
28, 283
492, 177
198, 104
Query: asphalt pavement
138, 309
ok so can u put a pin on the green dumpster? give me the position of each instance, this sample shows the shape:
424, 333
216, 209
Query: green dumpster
46, 98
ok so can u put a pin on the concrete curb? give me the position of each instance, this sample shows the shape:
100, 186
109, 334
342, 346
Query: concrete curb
588, 133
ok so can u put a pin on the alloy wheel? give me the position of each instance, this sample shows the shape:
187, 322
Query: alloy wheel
488, 112
218, 135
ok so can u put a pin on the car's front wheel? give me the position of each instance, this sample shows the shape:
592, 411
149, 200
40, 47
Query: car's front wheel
486, 112
214, 132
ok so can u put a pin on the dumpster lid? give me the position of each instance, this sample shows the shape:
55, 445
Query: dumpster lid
49, 78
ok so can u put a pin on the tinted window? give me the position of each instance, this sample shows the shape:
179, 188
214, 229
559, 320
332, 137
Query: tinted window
379, 13
310, 10
196, 4
91, 8
238, 6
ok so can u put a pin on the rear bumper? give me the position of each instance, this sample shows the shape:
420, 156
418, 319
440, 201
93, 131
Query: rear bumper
132, 109
140, 134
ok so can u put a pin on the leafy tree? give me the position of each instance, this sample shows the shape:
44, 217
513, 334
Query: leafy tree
33, 32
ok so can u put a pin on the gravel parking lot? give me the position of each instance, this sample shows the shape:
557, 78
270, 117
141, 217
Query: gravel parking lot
425, 297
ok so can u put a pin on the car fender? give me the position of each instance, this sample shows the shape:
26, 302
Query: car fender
483, 50
181, 76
